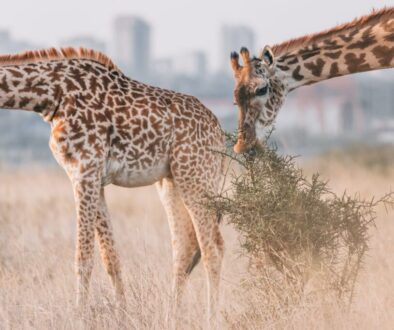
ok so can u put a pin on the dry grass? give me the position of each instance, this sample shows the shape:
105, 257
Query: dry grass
37, 282
304, 243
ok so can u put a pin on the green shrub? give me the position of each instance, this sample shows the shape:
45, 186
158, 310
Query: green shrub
299, 236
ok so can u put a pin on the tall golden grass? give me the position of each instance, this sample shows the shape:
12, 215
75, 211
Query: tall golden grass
37, 281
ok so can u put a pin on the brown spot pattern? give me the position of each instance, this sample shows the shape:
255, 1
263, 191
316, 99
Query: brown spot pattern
315, 67
384, 54
107, 129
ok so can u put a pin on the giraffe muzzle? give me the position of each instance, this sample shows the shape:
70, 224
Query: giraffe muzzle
246, 140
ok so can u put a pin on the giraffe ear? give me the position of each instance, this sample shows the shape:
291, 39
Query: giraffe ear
267, 55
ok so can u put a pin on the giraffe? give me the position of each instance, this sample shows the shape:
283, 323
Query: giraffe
262, 84
109, 129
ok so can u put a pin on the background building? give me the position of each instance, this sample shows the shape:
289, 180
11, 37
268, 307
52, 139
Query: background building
341, 111
232, 38
132, 48
9, 45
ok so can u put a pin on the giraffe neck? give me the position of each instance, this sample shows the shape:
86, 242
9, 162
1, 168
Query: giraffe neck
363, 45
275, 101
32, 87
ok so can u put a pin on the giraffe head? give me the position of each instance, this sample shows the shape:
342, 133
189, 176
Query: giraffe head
258, 94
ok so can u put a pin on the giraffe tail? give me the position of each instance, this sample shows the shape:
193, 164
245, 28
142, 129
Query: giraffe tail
195, 260
197, 255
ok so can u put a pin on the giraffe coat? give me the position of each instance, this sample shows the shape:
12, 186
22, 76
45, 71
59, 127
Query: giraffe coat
109, 129
262, 83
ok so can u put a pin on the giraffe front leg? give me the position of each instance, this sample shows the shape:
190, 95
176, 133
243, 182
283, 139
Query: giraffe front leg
109, 255
86, 194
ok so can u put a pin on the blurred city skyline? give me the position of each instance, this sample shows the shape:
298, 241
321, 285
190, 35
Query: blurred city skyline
131, 49
176, 45
178, 25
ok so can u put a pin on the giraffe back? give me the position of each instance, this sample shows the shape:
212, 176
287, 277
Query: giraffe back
130, 128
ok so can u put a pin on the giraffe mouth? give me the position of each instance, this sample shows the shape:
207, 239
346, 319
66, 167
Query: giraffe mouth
246, 140
242, 146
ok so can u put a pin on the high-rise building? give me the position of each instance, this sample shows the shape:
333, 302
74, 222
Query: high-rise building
5, 41
133, 45
233, 37
84, 41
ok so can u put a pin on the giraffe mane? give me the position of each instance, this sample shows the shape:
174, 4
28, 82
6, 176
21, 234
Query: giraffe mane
53, 54
292, 44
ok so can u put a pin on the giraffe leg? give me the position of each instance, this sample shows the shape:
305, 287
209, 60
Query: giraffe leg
109, 255
86, 194
193, 191
186, 252
212, 250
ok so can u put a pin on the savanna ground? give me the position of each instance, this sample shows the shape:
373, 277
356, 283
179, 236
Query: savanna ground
37, 280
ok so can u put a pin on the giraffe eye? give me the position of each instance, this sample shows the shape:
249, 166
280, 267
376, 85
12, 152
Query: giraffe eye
261, 91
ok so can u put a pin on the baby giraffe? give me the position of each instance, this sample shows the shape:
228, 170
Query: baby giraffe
108, 129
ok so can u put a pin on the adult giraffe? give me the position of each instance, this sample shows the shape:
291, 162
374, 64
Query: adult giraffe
365, 44
106, 128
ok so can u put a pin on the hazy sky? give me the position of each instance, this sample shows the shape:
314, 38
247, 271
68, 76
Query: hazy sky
178, 25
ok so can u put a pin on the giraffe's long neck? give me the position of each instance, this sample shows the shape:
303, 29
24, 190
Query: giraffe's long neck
33, 87
363, 45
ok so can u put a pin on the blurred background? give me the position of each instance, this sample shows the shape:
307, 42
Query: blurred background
185, 46
343, 129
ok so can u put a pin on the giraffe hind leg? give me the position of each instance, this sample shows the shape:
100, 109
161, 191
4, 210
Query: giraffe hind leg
212, 250
197, 255
194, 185
186, 252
